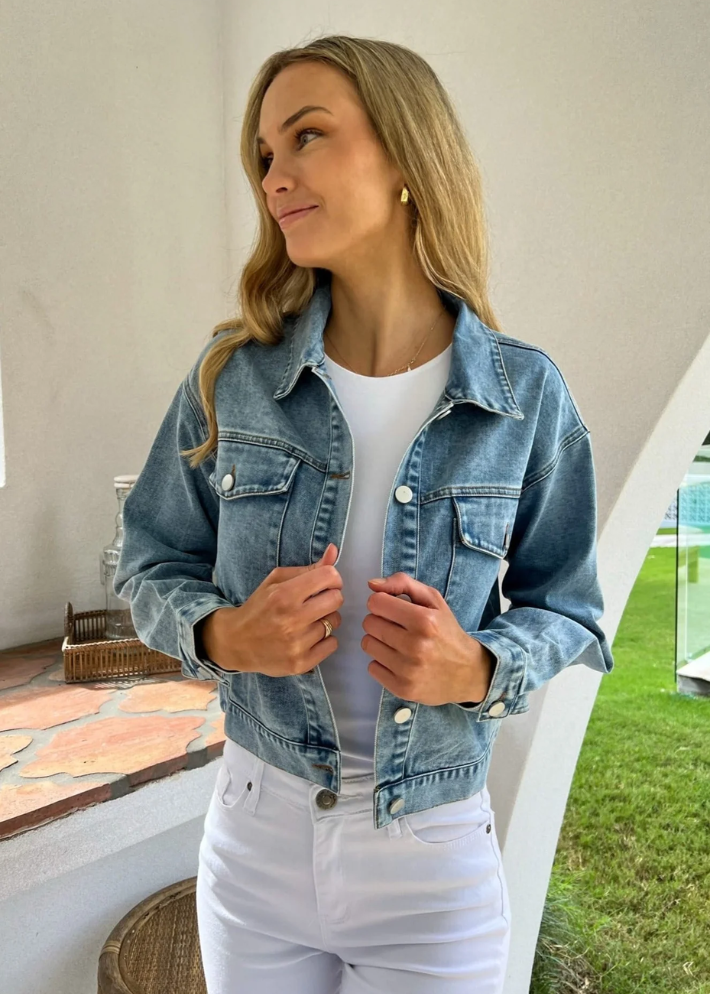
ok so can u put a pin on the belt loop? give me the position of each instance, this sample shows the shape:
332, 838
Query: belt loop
394, 829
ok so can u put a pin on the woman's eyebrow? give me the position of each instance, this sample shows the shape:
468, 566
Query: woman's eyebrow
292, 120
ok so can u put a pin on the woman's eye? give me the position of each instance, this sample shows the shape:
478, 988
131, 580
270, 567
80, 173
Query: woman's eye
266, 159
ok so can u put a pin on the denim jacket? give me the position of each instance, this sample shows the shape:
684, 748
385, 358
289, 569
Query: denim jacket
501, 469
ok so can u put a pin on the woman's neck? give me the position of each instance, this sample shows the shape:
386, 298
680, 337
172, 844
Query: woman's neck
370, 356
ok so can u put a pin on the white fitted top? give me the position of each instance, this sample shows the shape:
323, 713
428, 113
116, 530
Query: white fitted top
384, 414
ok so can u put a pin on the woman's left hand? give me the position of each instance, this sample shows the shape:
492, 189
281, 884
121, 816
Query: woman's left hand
420, 651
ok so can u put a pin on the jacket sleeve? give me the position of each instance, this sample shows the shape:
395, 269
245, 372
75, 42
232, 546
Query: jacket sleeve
169, 547
551, 583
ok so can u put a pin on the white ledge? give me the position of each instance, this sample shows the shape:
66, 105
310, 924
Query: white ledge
39, 854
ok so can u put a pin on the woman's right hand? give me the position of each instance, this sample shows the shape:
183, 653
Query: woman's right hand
278, 629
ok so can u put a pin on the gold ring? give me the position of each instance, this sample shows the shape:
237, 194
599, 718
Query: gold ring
328, 628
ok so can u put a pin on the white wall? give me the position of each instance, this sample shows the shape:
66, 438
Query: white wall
126, 219
113, 265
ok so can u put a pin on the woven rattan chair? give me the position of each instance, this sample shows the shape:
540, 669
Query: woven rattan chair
155, 948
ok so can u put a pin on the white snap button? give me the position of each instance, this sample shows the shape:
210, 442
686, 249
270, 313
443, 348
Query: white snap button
402, 714
396, 806
496, 709
227, 482
403, 495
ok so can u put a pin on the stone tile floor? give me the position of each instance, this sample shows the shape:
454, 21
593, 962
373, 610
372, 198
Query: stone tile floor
65, 746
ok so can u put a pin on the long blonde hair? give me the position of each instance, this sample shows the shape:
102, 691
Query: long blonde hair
417, 125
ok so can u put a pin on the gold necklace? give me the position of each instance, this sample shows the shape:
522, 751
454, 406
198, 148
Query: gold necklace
407, 366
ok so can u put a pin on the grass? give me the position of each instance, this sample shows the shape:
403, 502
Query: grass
628, 907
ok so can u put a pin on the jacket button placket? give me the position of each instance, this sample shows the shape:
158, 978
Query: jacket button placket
403, 495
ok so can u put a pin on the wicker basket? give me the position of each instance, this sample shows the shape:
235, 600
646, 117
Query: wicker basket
90, 656
155, 948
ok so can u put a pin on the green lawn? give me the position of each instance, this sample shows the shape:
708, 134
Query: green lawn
628, 907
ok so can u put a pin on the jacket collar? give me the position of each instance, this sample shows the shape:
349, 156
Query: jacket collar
477, 373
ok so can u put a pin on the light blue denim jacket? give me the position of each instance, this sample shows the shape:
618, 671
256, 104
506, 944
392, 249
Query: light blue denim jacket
502, 468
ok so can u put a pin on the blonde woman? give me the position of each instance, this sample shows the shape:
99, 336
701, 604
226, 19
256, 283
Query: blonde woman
320, 527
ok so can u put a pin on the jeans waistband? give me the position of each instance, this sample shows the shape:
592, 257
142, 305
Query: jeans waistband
355, 792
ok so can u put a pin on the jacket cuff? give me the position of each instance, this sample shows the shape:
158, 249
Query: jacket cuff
504, 695
194, 666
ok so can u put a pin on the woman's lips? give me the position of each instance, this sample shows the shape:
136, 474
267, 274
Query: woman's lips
290, 218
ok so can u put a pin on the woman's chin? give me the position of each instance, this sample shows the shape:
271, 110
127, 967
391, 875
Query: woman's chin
307, 260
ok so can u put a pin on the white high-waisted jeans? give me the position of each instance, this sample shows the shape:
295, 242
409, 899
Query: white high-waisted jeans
297, 893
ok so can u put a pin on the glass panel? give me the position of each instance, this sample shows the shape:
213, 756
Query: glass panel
693, 578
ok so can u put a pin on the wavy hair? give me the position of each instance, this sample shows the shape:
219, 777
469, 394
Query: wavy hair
415, 121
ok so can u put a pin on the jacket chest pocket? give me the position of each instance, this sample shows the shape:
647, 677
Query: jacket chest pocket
482, 527
253, 483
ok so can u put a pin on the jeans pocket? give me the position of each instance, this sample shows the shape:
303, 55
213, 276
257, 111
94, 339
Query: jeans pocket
231, 786
449, 825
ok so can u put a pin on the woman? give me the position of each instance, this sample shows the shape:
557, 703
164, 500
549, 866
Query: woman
350, 843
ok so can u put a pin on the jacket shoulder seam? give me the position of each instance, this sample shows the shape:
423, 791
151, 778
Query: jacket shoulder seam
195, 406
576, 435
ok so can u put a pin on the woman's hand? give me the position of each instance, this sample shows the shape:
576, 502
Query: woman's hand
278, 630
420, 651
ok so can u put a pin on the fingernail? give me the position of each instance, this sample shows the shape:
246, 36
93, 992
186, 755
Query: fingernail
378, 579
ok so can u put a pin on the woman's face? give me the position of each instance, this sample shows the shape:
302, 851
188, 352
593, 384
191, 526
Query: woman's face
332, 159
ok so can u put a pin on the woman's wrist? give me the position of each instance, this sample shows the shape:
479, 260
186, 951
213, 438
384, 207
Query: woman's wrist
201, 631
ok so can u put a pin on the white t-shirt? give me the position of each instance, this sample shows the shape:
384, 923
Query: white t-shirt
384, 414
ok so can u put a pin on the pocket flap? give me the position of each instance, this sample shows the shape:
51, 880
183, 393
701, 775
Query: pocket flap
486, 522
244, 468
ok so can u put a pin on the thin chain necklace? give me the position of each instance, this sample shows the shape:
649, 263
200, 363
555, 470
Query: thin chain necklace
407, 366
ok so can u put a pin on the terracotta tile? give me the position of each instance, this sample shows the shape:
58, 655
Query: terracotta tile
46, 648
28, 805
139, 746
142, 748
45, 707
176, 695
217, 735
16, 670
9, 745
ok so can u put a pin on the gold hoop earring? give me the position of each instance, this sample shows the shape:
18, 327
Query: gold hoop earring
405, 195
